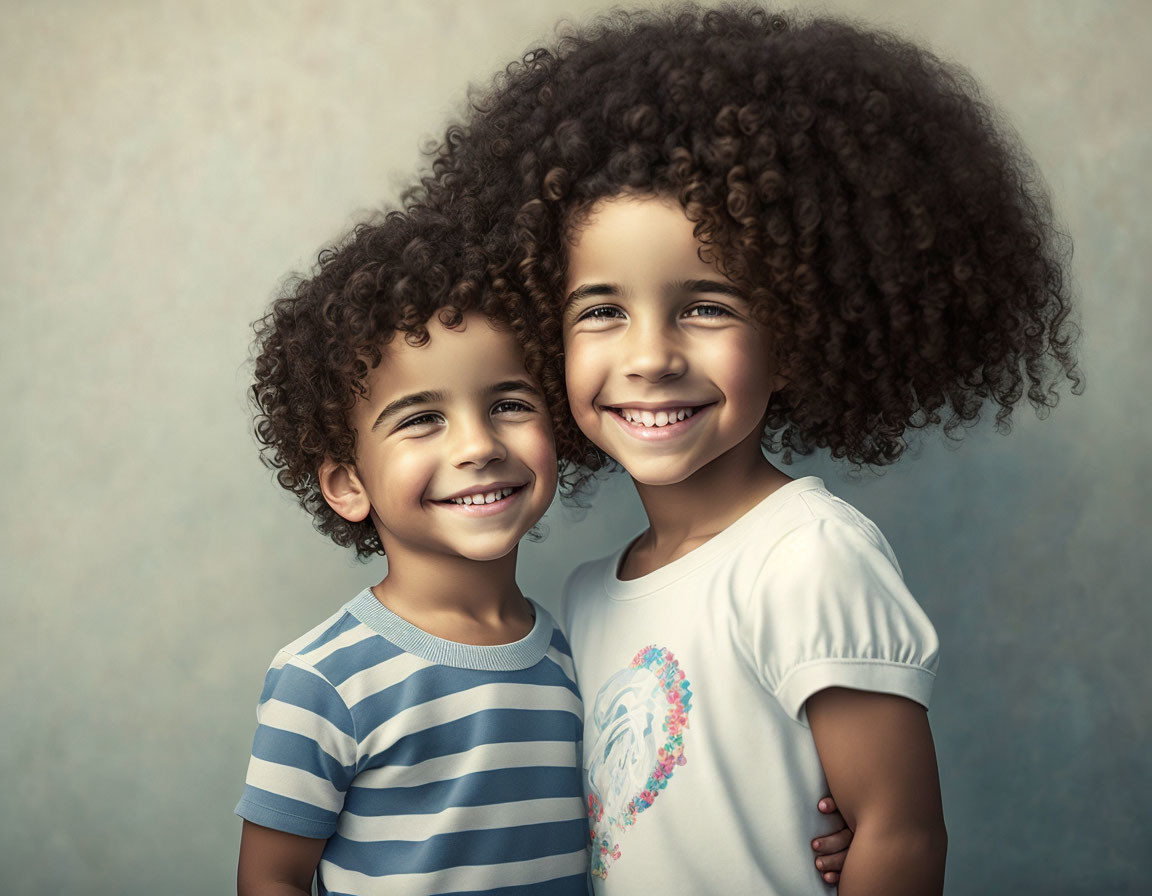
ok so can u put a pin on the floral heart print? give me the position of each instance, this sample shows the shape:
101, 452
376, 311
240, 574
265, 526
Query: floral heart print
634, 743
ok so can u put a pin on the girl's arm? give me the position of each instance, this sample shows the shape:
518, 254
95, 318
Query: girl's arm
880, 762
276, 863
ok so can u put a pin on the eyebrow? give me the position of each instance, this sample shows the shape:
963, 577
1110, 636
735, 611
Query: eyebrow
717, 286
515, 386
418, 398
400, 404
590, 290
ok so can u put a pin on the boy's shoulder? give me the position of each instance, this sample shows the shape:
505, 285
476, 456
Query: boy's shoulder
324, 637
363, 634
320, 635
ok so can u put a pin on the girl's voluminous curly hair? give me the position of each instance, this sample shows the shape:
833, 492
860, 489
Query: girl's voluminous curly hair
323, 334
883, 220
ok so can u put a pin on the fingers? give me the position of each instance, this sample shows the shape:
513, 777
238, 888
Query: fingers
831, 849
833, 844
831, 865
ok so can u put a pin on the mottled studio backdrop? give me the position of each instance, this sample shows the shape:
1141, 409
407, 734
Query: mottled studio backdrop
164, 164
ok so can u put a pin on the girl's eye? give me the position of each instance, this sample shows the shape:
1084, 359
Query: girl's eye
421, 420
708, 311
601, 312
512, 406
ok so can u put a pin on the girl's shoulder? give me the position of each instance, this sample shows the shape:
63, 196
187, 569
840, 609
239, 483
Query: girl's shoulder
585, 581
829, 607
813, 525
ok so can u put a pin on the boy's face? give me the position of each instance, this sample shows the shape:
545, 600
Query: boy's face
666, 369
454, 449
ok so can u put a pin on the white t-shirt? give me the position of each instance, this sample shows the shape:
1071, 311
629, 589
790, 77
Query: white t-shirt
699, 767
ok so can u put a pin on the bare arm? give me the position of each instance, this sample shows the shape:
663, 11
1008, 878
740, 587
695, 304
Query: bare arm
880, 762
273, 863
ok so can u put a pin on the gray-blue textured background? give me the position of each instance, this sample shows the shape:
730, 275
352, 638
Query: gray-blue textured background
165, 164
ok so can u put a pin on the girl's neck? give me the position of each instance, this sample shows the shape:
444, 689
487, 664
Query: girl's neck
684, 515
462, 600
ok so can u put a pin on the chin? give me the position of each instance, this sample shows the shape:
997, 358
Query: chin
485, 553
656, 474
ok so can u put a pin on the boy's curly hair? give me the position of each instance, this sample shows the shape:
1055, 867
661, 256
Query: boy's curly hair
884, 221
322, 335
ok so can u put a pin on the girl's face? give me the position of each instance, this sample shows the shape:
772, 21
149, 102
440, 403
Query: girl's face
666, 369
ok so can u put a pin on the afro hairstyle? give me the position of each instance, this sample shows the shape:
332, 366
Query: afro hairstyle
320, 337
881, 217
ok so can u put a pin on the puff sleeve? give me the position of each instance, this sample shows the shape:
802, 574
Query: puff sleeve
830, 609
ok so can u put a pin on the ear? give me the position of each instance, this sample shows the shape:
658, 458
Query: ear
343, 490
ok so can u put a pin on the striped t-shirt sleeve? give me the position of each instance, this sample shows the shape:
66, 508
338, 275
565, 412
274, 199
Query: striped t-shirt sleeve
303, 754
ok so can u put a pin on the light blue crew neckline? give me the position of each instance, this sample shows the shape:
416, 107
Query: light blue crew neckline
736, 534
522, 654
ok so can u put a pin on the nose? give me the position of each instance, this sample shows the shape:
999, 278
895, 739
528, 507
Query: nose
476, 443
653, 351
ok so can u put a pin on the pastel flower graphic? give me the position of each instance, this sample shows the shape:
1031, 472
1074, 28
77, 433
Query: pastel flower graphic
634, 744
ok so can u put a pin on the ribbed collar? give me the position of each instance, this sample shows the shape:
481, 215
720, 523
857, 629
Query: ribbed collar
522, 654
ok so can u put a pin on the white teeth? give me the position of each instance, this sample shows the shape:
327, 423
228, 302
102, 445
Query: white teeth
485, 498
657, 419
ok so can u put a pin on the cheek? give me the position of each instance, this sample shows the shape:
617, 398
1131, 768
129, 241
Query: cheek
746, 372
540, 454
582, 376
405, 474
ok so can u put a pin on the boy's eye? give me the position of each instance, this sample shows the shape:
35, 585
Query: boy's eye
425, 419
512, 406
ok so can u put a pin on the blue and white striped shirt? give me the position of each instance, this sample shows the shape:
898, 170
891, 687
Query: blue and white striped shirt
429, 766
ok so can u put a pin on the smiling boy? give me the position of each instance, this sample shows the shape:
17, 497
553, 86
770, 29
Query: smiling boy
426, 737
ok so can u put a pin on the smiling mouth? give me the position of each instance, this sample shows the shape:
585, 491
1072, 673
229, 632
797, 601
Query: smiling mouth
656, 419
491, 497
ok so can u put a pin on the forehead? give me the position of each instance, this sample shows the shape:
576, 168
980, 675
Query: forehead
646, 235
454, 359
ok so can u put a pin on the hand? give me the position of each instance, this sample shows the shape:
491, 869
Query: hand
831, 849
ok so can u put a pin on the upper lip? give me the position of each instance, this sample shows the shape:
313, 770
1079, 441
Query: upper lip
655, 405
474, 490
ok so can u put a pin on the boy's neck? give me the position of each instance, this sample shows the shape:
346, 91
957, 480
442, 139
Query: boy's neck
685, 515
467, 601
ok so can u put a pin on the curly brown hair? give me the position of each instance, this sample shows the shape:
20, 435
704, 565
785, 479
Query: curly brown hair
880, 215
321, 336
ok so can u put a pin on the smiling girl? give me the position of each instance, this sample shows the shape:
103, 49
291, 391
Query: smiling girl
779, 609
740, 236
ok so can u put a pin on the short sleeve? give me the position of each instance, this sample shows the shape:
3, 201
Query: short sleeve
303, 755
830, 609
